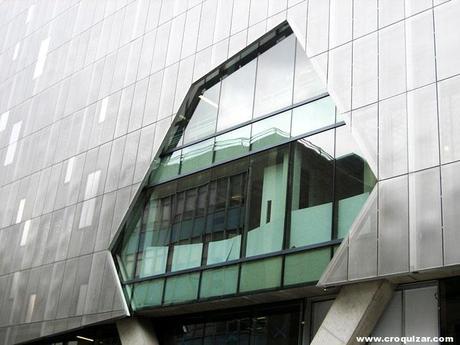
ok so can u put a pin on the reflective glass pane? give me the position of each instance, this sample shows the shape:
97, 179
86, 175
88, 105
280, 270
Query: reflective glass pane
204, 118
129, 247
199, 214
268, 188
232, 144
147, 294
169, 167
153, 260
354, 180
155, 233
258, 275
305, 267
237, 95
271, 131
181, 288
223, 281
275, 73
186, 256
197, 156
312, 196
312, 116
307, 84
224, 250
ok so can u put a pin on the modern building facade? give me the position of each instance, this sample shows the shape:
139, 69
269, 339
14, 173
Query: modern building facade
229, 172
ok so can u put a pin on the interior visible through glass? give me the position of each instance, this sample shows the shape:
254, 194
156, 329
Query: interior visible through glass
301, 191
256, 183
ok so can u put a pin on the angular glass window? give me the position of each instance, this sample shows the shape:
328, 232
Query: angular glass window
219, 282
259, 275
169, 167
313, 116
181, 288
354, 180
155, 234
312, 190
204, 118
237, 98
271, 131
248, 191
197, 156
267, 206
275, 74
128, 248
148, 294
232, 144
307, 85
297, 272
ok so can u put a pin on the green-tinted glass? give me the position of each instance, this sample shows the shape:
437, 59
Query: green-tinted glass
267, 202
305, 267
259, 275
219, 282
271, 131
348, 210
311, 225
204, 117
237, 96
197, 156
147, 294
153, 260
232, 144
181, 288
224, 250
126, 256
312, 179
275, 74
168, 168
307, 84
354, 179
186, 256
312, 116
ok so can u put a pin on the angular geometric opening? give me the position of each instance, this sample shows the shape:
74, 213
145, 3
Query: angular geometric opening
256, 182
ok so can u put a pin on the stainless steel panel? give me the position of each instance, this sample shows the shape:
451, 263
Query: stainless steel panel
393, 137
393, 234
425, 219
423, 128
450, 212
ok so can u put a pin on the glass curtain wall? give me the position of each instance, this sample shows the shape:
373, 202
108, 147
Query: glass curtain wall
257, 136
267, 76
244, 221
255, 185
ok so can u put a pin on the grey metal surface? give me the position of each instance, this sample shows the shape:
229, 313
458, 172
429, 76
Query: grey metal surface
114, 73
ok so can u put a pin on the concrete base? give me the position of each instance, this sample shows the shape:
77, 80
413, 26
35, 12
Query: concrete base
354, 313
136, 331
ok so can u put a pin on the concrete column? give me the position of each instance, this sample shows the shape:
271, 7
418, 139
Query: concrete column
136, 331
354, 313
